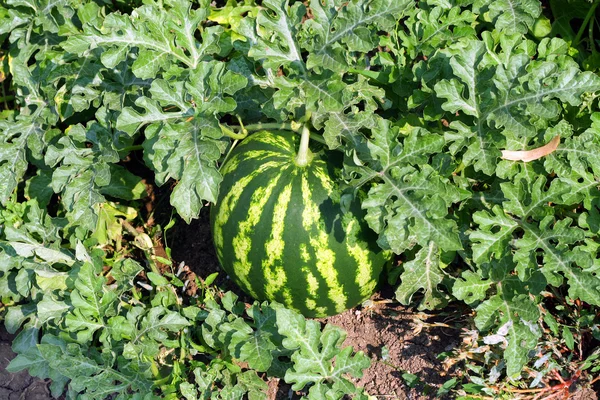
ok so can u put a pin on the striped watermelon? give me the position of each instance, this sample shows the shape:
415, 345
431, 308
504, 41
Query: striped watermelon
281, 235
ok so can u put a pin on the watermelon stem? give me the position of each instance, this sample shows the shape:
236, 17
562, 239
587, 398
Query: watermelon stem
273, 126
235, 136
235, 142
304, 156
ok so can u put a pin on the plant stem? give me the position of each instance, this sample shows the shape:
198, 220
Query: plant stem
132, 148
591, 38
235, 136
243, 130
270, 126
284, 126
304, 156
585, 24
235, 142
6, 99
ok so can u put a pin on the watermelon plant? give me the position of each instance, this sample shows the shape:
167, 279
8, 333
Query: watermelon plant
457, 138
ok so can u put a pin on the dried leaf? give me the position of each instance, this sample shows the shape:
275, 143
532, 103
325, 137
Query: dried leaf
530, 155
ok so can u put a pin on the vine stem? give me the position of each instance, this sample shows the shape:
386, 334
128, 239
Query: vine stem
285, 126
132, 148
235, 142
272, 126
235, 136
304, 156
585, 23
6, 98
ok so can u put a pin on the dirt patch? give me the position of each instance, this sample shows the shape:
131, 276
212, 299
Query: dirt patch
389, 335
19, 386
585, 394
193, 245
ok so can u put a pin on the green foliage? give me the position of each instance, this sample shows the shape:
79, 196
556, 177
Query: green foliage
94, 338
420, 97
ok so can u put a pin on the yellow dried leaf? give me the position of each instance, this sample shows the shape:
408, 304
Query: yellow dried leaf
530, 155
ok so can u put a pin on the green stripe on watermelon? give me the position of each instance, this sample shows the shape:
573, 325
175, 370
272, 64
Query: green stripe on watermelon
281, 235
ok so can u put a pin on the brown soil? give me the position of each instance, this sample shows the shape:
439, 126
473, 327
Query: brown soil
408, 351
18, 386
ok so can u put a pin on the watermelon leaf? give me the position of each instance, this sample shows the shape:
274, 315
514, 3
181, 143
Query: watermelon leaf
511, 16
410, 205
314, 352
423, 272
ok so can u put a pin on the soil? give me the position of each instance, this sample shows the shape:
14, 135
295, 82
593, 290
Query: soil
408, 351
19, 386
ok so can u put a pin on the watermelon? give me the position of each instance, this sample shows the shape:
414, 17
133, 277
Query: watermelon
284, 232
